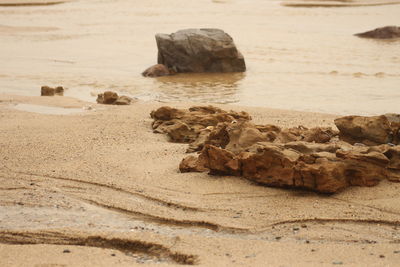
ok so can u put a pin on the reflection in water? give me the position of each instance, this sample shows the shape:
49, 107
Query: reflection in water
213, 88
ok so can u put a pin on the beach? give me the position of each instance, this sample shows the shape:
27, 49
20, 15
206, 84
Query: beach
88, 184
103, 173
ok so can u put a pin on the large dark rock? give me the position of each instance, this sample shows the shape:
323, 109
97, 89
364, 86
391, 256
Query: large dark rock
199, 50
388, 32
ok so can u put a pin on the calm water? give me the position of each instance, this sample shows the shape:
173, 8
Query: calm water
297, 57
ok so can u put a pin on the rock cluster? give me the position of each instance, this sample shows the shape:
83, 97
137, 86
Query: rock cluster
319, 159
196, 50
387, 32
50, 91
112, 98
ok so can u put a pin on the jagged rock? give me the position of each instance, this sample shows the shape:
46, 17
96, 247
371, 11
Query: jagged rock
199, 50
324, 168
388, 32
297, 157
112, 98
157, 70
50, 91
185, 126
373, 130
236, 137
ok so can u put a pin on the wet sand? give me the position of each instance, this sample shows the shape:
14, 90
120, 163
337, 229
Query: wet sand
99, 188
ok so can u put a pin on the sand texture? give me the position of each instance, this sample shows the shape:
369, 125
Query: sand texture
99, 188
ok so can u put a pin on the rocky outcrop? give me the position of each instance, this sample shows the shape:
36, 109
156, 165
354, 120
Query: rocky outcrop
323, 168
372, 130
185, 126
199, 50
314, 159
112, 98
50, 91
157, 70
388, 32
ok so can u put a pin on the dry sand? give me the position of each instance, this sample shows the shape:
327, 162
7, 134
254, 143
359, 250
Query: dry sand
98, 188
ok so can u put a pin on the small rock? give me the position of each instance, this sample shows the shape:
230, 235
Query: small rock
49, 91
388, 32
396, 252
156, 71
381, 256
278, 237
112, 98
66, 251
113, 255
337, 262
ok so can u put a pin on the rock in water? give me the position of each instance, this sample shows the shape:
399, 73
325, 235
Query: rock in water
199, 50
156, 71
388, 32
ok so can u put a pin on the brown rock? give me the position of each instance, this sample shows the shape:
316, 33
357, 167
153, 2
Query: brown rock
388, 32
193, 164
47, 91
59, 90
157, 70
123, 100
112, 98
367, 130
187, 126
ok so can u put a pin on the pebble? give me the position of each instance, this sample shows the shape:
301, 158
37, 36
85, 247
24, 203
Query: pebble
337, 262
66, 251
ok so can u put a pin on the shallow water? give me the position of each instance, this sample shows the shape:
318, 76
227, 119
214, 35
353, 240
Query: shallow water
298, 58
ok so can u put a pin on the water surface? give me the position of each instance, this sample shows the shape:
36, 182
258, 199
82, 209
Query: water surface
301, 58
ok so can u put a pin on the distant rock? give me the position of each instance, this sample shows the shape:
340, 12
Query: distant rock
157, 70
112, 98
50, 91
388, 32
199, 50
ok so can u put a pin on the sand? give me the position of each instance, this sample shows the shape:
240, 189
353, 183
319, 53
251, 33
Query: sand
98, 188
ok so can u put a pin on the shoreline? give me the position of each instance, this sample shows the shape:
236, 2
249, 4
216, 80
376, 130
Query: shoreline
66, 179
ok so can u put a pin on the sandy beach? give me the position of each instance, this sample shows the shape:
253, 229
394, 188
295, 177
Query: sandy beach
99, 188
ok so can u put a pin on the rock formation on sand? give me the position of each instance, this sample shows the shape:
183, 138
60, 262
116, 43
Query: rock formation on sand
50, 91
388, 32
373, 130
112, 98
199, 50
314, 159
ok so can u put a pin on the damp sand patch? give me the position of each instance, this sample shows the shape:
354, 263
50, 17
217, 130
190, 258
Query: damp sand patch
48, 110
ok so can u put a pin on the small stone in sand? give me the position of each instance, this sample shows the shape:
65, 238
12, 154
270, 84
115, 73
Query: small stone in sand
66, 251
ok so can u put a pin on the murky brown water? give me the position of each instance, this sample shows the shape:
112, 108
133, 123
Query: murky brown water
297, 57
